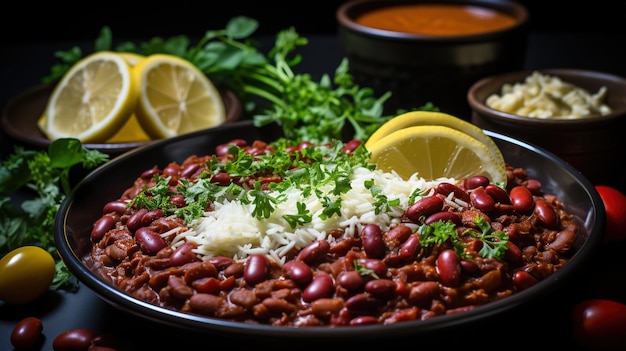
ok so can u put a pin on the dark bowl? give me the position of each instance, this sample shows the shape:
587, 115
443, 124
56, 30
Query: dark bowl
19, 120
593, 145
81, 209
418, 69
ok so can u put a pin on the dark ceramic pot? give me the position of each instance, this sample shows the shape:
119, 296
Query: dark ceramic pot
421, 68
593, 145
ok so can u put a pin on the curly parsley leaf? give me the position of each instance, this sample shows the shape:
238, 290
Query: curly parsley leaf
44, 181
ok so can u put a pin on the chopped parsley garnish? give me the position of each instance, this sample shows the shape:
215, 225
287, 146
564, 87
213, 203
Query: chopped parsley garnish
308, 170
494, 243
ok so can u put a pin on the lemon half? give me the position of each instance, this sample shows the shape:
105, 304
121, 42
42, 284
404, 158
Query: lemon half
92, 101
418, 118
175, 97
435, 151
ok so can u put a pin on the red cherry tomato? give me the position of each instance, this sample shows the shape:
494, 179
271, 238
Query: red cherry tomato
615, 208
600, 324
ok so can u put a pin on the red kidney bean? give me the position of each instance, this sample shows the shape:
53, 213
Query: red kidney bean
150, 242
314, 251
545, 213
299, 272
221, 262
178, 288
151, 216
423, 208
149, 174
236, 269
377, 266
474, 182
205, 304
481, 200
321, 286
380, 286
184, 254
363, 320
255, 269
351, 280
118, 207
178, 200
326, 307
362, 303
221, 178
74, 339
278, 306
513, 253
523, 280
222, 149
372, 241
199, 270
469, 266
189, 170
135, 220
26, 333
534, 186
101, 227
521, 198
444, 216
498, 194
397, 235
446, 188
449, 268
410, 247
351, 145
208, 285
172, 170
424, 292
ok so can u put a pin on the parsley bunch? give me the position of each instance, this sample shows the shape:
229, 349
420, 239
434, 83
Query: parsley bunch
46, 177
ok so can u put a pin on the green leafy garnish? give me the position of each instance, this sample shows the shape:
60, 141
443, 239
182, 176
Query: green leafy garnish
46, 179
270, 89
363, 270
438, 233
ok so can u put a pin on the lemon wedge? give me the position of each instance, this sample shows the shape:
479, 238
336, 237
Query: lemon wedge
418, 118
435, 151
92, 101
175, 97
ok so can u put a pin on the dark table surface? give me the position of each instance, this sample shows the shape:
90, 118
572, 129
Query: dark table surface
540, 325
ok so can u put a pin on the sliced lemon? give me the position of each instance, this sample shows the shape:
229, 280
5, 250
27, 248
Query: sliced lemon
130, 132
93, 99
434, 151
418, 118
175, 97
131, 57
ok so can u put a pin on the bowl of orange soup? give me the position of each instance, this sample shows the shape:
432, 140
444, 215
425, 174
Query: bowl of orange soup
431, 51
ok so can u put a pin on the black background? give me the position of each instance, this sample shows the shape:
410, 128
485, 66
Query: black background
27, 22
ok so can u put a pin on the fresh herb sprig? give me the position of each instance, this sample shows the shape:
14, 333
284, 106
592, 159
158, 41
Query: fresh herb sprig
272, 92
494, 243
45, 178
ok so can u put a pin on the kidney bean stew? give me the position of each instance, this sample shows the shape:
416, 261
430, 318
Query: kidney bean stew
330, 258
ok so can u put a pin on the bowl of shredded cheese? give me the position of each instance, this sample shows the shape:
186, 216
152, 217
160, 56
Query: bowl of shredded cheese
576, 114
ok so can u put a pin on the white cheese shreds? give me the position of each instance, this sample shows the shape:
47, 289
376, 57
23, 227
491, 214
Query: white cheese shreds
231, 230
545, 96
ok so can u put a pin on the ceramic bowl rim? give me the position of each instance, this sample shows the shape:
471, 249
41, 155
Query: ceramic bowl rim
345, 19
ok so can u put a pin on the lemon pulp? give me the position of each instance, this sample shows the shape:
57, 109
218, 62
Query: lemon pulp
435, 151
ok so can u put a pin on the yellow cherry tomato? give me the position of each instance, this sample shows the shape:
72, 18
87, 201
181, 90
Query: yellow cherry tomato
25, 274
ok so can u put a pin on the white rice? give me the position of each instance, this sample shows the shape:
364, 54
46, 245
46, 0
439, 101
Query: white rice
231, 229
